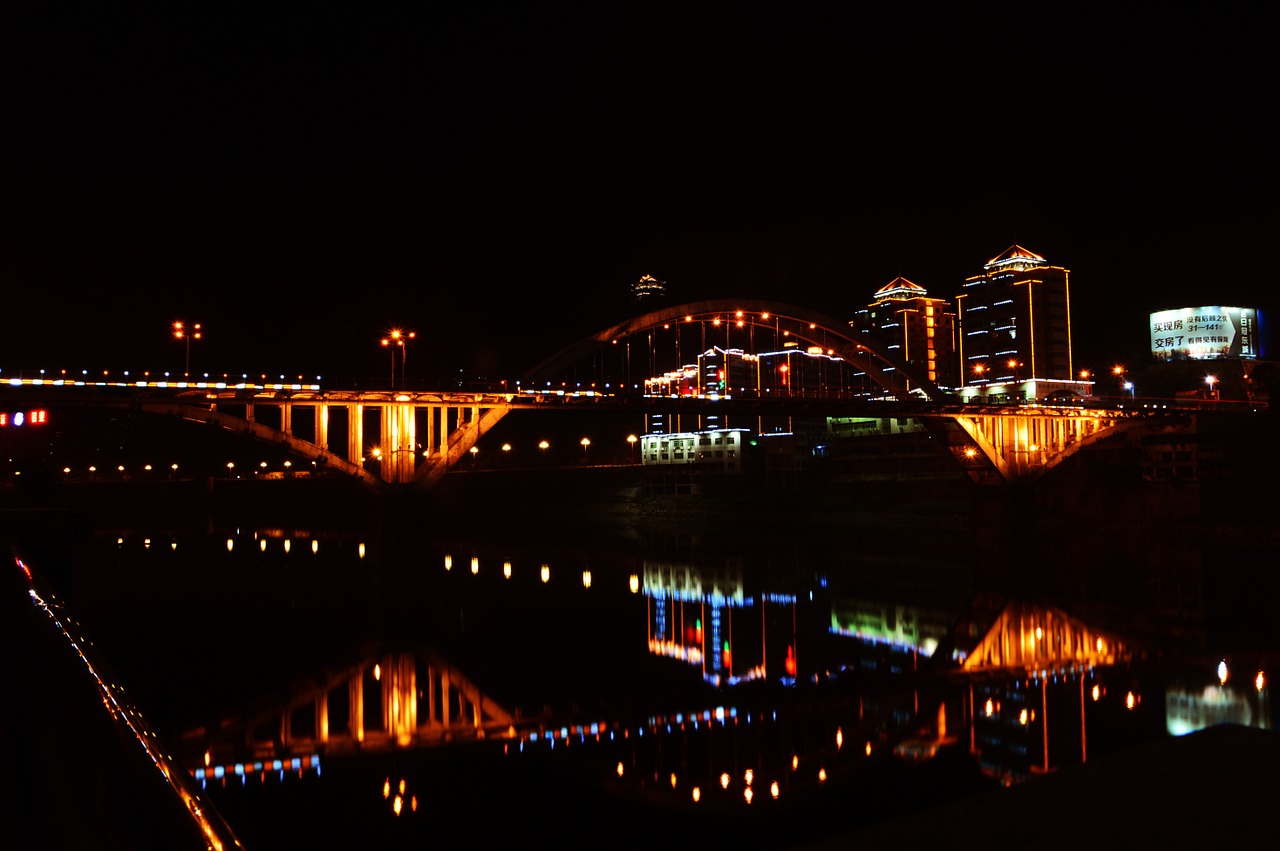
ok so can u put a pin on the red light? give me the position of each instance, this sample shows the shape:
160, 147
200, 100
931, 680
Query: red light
4, 419
38, 417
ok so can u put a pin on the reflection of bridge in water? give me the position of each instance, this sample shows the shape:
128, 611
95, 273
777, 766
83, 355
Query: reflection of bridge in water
421, 435
386, 699
393, 700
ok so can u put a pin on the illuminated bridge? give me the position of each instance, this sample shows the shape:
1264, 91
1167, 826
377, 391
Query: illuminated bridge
421, 435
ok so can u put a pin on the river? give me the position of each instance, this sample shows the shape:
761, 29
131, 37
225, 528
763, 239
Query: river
653, 650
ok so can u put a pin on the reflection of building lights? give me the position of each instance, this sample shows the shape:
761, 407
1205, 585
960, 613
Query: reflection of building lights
989, 707
475, 565
867, 749
697, 794
448, 562
747, 794
724, 780
795, 762
822, 775
839, 738
1097, 692
546, 573
774, 790
1022, 716
1130, 701
1259, 681
586, 579
386, 788
506, 569
634, 583
377, 674
397, 805
1222, 672
620, 769
673, 780
748, 776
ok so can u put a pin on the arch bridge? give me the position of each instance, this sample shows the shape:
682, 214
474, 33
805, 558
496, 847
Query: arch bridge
422, 435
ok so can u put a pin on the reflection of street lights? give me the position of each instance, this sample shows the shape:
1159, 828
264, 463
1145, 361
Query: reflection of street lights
182, 332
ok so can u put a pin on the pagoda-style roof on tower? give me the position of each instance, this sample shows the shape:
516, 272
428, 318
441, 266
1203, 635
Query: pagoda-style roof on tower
900, 287
1015, 257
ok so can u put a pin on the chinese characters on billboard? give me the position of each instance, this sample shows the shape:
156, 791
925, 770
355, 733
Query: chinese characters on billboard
1201, 333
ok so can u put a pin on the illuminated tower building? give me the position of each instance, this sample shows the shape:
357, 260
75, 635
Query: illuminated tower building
1015, 320
647, 289
918, 329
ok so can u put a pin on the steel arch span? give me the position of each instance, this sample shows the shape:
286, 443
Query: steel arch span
805, 326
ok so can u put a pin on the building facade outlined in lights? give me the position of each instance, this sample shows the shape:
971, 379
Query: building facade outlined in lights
647, 289
919, 329
1015, 321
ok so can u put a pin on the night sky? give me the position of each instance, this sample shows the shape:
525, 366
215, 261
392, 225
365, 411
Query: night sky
496, 178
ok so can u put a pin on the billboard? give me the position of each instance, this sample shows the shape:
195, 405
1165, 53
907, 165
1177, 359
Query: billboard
1202, 333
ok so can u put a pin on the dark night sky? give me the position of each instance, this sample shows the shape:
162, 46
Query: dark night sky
495, 179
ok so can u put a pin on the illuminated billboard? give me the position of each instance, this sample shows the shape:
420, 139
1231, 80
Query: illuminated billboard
1201, 333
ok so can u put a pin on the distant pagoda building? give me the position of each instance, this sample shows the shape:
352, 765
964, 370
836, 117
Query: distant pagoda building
1015, 320
647, 289
918, 329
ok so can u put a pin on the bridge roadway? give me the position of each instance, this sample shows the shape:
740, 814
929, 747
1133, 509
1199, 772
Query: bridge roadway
993, 443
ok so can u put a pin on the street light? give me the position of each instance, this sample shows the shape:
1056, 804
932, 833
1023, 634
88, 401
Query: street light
1211, 380
586, 441
632, 439
182, 332
1128, 385
398, 338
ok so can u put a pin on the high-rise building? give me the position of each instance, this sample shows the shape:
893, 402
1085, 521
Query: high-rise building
918, 329
1015, 320
647, 289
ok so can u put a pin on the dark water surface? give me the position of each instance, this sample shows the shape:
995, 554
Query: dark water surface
205, 608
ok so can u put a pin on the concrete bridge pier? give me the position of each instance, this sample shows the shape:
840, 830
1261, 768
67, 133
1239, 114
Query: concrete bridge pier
398, 442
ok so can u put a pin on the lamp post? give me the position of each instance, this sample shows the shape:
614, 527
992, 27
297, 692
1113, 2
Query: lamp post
1211, 380
397, 338
632, 439
182, 332
586, 442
